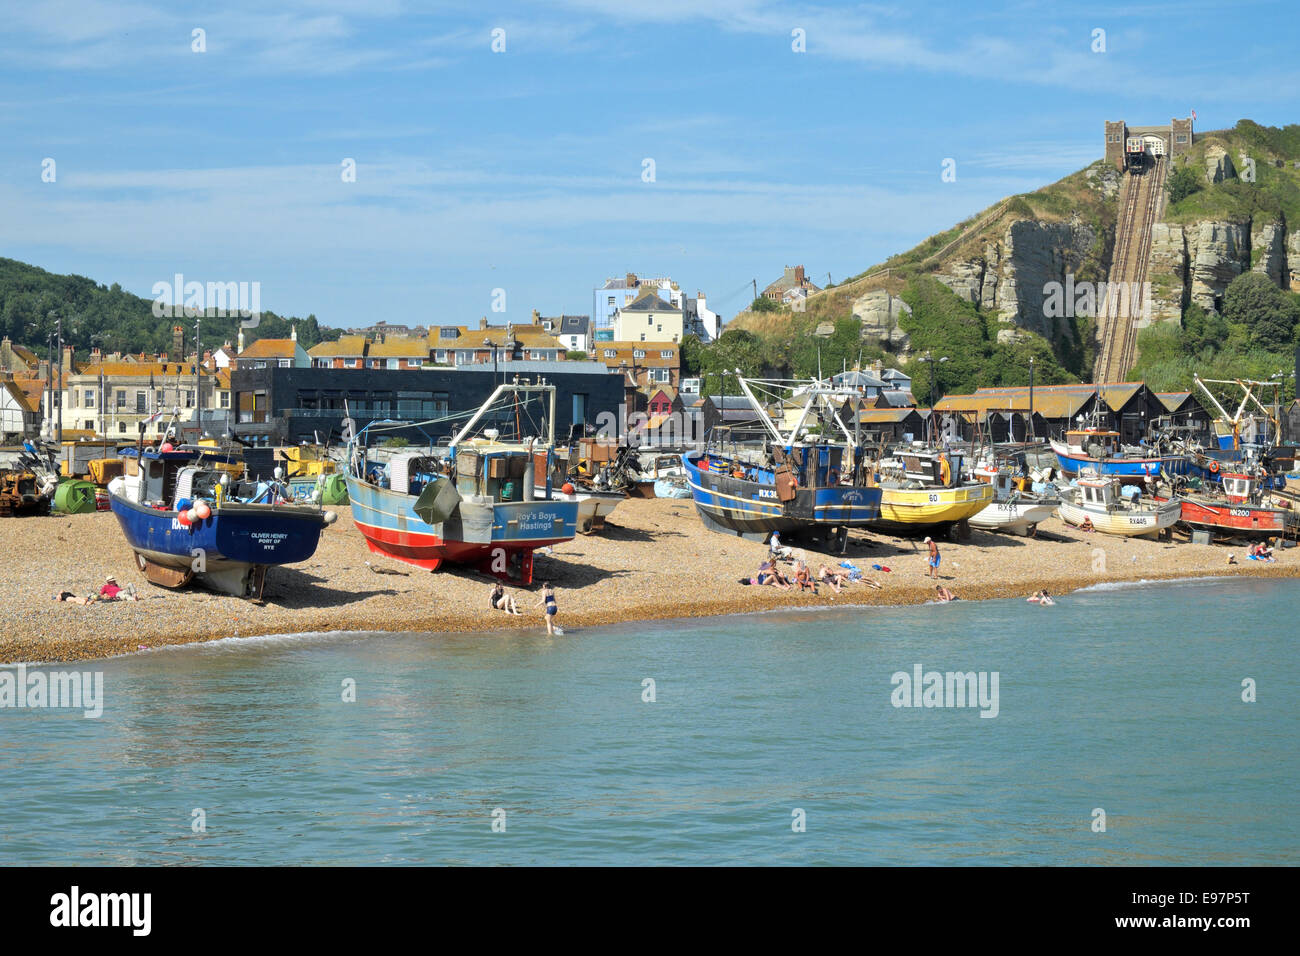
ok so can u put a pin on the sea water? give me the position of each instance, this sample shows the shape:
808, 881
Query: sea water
1155, 724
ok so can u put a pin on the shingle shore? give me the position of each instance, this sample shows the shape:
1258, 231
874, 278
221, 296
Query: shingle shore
655, 560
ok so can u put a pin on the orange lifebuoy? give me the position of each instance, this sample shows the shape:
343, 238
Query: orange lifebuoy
1214, 467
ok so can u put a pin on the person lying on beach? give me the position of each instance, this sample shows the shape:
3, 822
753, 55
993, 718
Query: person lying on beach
112, 591
72, 598
835, 579
944, 594
803, 578
501, 601
768, 574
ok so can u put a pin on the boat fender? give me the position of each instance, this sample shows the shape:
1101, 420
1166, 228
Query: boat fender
330, 517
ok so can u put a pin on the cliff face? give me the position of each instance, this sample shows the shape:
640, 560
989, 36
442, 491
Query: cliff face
1014, 272
1196, 262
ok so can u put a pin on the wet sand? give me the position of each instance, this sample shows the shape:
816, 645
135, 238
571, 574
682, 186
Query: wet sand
654, 560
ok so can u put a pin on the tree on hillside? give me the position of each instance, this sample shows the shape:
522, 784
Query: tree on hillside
735, 349
764, 304
1182, 182
1269, 314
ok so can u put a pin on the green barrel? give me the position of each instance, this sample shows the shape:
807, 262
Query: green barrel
334, 490
74, 497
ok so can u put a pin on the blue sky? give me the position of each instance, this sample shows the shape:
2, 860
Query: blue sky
522, 170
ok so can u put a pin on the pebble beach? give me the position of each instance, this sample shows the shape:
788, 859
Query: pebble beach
654, 560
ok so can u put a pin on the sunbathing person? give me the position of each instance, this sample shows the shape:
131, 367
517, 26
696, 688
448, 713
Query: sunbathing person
803, 578
501, 601
835, 579
112, 591
768, 574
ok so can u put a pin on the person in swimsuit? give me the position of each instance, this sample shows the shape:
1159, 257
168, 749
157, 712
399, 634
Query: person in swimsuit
548, 599
934, 558
768, 574
501, 601
943, 594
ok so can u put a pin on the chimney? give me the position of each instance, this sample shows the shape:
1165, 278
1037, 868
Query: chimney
177, 353
293, 332
631, 280
537, 317
96, 355
240, 348
798, 274
67, 358
482, 324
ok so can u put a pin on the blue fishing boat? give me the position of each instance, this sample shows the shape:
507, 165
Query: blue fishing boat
1099, 451
188, 521
476, 502
803, 486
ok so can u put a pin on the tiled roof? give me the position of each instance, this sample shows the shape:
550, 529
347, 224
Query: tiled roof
623, 352
399, 347
270, 348
349, 346
26, 402
529, 336
881, 416
649, 301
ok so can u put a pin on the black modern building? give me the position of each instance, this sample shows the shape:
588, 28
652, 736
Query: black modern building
287, 406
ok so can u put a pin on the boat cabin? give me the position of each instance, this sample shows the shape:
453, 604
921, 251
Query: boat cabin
1098, 494
927, 466
1238, 488
1093, 443
496, 472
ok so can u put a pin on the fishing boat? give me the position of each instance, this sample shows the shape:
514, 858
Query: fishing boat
1100, 451
1019, 503
587, 473
672, 486
1237, 508
644, 478
186, 520
474, 502
1097, 501
798, 482
922, 491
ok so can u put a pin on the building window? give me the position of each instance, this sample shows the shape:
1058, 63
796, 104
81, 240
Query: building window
610, 353
659, 375
121, 427
440, 355
659, 328
638, 353
392, 363
666, 353
121, 398
649, 320
225, 399
642, 336
90, 398
611, 302
284, 363
139, 403
1180, 138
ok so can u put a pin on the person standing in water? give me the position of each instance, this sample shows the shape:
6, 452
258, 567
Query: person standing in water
934, 558
548, 599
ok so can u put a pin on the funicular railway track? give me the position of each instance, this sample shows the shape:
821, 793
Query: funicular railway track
1125, 297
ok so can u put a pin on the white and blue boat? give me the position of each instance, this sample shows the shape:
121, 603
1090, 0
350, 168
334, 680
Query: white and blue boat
800, 483
477, 501
188, 521
1099, 451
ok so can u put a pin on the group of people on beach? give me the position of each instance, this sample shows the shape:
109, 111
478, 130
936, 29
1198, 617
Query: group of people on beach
801, 577
109, 591
501, 600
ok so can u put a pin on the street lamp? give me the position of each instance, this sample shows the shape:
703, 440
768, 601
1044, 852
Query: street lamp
493, 346
1031, 396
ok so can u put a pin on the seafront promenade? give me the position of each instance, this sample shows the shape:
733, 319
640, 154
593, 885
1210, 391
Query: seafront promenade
654, 560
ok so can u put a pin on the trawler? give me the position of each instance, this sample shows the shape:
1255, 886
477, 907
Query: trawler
799, 481
476, 502
922, 491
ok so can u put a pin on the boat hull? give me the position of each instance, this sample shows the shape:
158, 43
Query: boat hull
753, 509
224, 550
1236, 520
499, 537
912, 511
1124, 523
1073, 463
1015, 517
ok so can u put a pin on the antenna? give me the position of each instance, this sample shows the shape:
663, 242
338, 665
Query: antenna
755, 282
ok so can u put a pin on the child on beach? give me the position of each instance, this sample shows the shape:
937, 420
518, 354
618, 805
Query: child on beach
934, 558
499, 600
548, 599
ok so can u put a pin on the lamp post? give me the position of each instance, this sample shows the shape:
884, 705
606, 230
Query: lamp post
1031, 396
493, 346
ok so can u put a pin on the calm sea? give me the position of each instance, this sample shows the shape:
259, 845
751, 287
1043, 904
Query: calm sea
771, 738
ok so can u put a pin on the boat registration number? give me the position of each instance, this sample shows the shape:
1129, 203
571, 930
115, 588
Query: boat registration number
934, 499
1137, 520
1240, 512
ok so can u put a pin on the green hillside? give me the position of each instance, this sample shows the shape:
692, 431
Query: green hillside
109, 318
